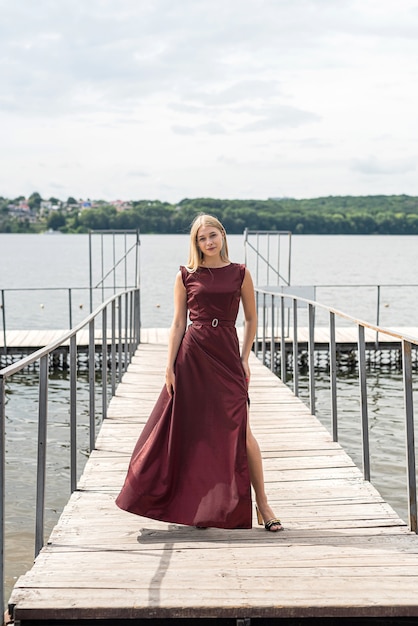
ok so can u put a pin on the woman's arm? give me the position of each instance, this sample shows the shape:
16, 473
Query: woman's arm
250, 316
177, 329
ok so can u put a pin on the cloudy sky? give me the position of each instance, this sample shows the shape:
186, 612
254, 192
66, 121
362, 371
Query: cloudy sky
167, 99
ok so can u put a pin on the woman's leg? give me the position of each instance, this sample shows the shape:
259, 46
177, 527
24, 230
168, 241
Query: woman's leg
255, 466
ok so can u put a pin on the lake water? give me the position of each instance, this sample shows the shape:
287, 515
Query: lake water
47, 261
52, 261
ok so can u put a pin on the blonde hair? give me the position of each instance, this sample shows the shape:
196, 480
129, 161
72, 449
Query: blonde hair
195, 254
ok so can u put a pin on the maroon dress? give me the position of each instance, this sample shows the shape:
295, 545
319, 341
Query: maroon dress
189, 465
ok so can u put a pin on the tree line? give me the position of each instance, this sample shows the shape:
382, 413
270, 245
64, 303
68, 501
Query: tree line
361, 215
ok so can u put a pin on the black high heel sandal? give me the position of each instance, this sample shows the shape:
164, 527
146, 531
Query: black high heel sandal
271, 522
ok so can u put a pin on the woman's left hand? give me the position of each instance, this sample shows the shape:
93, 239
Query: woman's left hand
247, 372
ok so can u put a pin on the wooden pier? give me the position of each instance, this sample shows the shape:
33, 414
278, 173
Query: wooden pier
344, 552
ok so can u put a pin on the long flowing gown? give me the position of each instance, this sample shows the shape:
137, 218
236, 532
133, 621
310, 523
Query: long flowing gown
189, 465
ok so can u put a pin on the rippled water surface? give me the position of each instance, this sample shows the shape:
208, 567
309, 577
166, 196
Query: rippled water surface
63, 261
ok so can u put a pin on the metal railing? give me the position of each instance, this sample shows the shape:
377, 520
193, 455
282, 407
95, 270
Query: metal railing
274, 310
376, 294
121, 263
64, 318
272, 250
119, 337
123, 271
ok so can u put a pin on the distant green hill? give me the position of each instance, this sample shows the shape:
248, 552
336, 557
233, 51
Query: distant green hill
360, 215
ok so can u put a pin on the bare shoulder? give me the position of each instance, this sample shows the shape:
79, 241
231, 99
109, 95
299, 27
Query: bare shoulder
178, 281
247, 278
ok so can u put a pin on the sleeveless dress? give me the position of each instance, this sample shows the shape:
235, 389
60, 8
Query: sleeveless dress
189, 465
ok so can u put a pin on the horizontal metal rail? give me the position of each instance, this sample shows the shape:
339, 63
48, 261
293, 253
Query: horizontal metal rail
274, 334
120, 338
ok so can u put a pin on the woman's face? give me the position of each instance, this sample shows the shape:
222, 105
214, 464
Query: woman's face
209, 241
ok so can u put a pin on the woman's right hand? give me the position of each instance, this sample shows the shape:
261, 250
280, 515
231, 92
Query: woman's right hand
170, 381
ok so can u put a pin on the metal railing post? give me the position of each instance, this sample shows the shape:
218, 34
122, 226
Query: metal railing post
104, 363
41, 466
2, 486
92, 380
3, 316
126, 261
282, 342
131, 324
73, 413
311, 350
114, 262
410, 437
138, 318
295, 349
245, 246
256, 341
91, 271
257, 260
268, 258
263, 345
272, 338
363, 403
278, 261
120, 351
137, 262
70, 308
126, 332
113, 349
377, 317
333, 375
102, 261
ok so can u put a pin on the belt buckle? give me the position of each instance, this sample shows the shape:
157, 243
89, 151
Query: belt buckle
215, 322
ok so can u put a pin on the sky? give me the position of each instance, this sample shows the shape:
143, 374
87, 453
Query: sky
173, 99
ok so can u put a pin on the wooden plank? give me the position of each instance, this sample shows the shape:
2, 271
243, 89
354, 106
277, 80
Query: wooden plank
101, 562
299, 596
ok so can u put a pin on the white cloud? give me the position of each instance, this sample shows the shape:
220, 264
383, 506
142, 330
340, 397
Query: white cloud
281, 116
373, 166
162, 99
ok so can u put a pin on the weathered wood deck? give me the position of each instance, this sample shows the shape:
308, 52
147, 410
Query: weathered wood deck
344, 551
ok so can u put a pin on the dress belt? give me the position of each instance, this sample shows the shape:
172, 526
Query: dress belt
214, 322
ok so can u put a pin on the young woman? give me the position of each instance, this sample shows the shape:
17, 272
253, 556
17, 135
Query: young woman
196, 458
